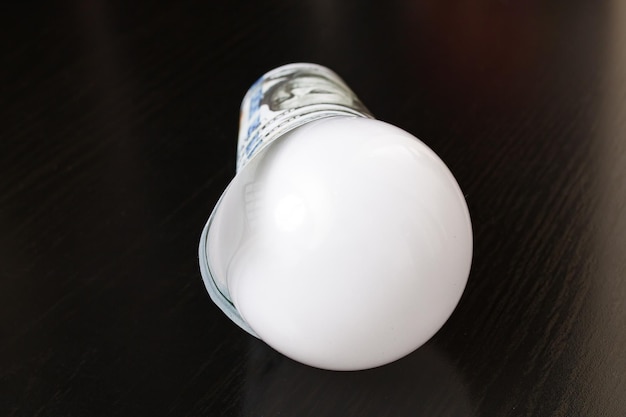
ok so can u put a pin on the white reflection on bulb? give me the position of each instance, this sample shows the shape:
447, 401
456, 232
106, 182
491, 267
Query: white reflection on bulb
290, 212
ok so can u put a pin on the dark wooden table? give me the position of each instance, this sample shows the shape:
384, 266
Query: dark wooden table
118, 125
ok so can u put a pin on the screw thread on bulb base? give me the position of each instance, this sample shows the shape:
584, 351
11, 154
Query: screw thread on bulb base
289, 97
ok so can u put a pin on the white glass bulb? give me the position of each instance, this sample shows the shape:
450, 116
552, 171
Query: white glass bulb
345, 244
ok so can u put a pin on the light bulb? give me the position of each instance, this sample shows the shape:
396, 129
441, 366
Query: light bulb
343, 242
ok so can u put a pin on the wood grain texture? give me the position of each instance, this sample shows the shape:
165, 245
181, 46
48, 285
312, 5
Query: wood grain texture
117, 135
